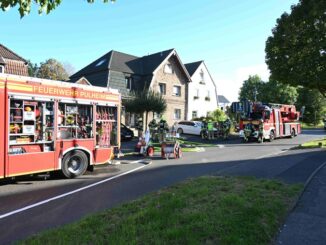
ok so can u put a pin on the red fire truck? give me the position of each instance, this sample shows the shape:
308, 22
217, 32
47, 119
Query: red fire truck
56, 126
270, 121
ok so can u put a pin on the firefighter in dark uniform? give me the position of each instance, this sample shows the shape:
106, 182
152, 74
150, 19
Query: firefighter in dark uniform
163, 128
153, 128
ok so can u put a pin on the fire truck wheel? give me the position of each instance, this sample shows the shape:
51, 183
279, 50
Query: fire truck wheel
271, 136
292, 133
74, 164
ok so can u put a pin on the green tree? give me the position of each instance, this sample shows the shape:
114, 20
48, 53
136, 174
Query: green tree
44, 6
52, 69
32, 68
314, 103
251, 89
218, 115
145, 101
276, 92
296, 51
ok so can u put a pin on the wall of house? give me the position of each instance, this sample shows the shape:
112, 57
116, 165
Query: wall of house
201, 104
117, 80
173, 102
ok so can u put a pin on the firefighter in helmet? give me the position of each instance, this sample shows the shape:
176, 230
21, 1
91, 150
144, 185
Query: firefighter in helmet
152, 128
204, 133
210, 128
163, 128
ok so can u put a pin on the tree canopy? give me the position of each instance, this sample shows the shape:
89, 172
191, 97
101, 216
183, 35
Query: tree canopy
44, 6
296, 51
52, 69
251, 89
145, 101
254, 89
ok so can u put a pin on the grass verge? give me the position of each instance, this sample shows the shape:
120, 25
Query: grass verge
321, 143
206, 210
311, 126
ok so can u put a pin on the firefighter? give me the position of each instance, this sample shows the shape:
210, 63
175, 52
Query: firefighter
152, 128
204, 133
163, 128
226, 125
261, 132
210, 128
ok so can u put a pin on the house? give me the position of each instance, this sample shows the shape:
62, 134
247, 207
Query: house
202, 97
162, 72
223, 102
12, 63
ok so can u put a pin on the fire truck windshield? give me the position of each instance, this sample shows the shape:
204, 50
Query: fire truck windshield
256, 115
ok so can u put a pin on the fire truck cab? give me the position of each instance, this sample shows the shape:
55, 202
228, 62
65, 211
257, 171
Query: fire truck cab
55, 126
270, 121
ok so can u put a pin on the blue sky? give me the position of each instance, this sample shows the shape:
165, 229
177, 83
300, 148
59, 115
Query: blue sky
229, 35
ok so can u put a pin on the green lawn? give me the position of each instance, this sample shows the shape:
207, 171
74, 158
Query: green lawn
311, 126
205, 210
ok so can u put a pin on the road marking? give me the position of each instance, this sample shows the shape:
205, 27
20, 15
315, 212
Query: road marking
271, 154
70, 192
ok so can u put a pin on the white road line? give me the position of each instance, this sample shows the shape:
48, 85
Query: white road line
271, 154
69, 193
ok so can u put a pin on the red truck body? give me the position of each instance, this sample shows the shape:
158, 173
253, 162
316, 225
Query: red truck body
270, 121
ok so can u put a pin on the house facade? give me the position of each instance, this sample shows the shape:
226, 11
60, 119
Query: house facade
202, 96
162, 72
12, 63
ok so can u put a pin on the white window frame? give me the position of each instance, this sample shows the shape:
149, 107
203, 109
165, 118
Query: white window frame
194, 114
177, 114
159, 87
2, 69
202, 77
128, 80
177, 92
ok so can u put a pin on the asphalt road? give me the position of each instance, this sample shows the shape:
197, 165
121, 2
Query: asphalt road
30, 205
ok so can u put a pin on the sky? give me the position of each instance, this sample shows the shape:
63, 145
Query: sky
229, 35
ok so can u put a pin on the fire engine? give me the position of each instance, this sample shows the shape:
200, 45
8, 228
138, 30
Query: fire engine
270, 121
56, 126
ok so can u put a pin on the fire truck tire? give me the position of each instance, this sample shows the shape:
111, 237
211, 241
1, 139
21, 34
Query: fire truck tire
292, 133
74, 164
271, 136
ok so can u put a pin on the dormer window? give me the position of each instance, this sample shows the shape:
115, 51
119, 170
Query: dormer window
168, 69
2, 69
202, 77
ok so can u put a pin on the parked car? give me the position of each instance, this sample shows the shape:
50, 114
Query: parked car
192, 127
126, 133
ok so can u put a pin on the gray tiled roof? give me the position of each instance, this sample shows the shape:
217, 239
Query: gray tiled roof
192, 67
222, 99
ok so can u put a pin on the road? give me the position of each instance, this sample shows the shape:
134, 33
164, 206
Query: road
30, 205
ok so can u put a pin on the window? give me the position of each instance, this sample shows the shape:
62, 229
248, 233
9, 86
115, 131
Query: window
208, 97
2, 69
194, 114
162, 87
177, 90
196, 95
202, 77
101, 62
128, 81
177, 114
168, 69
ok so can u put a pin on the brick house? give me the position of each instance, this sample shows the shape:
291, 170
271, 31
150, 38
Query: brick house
162, 72
12, 63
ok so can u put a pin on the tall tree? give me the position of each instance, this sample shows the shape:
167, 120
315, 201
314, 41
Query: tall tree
32, 68
251, 89
296, 51
276, 92
52, 69
44, 6
314, 103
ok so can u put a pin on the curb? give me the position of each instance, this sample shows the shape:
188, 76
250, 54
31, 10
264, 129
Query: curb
129, 162
307, 182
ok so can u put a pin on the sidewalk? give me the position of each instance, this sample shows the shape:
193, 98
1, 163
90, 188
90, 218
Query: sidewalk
307, 223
